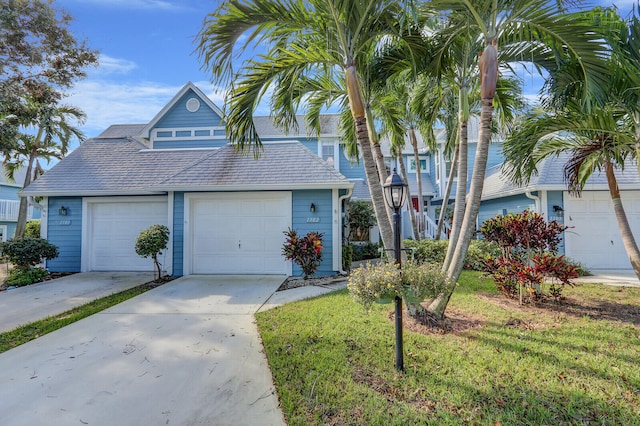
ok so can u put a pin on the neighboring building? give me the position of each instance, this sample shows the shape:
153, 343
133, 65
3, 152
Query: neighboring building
10, 203
226, 211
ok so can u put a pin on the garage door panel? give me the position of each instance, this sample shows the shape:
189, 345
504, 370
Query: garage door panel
243, 233
113, 230
595, 237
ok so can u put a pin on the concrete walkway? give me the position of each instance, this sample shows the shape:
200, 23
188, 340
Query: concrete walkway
30, 303
185, 353
620, 278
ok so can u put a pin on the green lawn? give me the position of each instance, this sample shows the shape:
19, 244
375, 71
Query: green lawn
575, 364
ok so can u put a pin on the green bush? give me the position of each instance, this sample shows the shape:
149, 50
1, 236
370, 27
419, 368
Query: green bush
151, 242
27, 252
434, 251
381, 282
24, 275
366, 251
32, 229
361, 219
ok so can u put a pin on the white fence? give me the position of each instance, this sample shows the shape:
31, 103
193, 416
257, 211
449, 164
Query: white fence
9, 210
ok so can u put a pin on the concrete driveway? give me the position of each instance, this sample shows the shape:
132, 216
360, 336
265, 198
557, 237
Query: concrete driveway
185, 353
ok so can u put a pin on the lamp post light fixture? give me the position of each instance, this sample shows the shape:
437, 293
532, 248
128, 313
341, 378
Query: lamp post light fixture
395, 193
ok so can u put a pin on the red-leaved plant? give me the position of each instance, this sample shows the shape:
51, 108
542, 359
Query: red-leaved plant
529, 255
305, 251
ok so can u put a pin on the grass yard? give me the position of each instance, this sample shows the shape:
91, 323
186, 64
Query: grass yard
497, 364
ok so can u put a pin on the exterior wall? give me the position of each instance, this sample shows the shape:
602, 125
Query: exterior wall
178, 234
202, 143
321, 221
348, 169
513, 204
9, 192
66, 233
555, 198
179, 117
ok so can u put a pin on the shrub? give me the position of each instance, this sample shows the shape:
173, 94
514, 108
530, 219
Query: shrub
381, 282
32, 229
151, 242
528, 255
361, 218
306, 252
366, 251
434, 251
24, 275
28, 252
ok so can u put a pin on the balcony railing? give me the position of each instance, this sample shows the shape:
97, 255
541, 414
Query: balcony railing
9, 210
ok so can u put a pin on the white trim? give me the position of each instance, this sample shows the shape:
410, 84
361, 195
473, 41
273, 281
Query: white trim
187, 261
253, 187
336, 227
44, 218
544, 204
174, 134
87, 202
411, 159
169, 251
4, 232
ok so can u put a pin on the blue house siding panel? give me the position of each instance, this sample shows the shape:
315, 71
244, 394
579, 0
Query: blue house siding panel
513, 204
303, 222
178, 234
555, 198
9, 192
348, 169
66, 233
11, 229
179, 117
176, 144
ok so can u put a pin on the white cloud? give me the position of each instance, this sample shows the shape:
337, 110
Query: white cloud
109, 65
108, 102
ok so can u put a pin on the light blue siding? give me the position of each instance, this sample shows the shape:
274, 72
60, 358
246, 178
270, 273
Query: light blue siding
66, 233
348, 169
513, 204
9, 192
178, 234
555, 198
11, 229
301, 202
179, 117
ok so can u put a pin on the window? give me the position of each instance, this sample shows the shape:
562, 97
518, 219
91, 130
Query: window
328, 153
423, 165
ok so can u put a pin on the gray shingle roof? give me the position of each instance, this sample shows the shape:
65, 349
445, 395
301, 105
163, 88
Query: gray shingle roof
328, 126
124, 166
286, 164
122, 131
550, 176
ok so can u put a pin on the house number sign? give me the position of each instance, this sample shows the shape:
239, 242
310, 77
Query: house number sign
313, 220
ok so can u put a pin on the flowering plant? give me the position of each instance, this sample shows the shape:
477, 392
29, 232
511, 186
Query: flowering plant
381, 282
305, 251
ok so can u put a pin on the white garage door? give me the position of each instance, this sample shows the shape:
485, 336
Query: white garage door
239, 233
595, 239
113, 229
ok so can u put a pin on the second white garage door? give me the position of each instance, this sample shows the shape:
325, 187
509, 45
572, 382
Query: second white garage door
238, 233
594, 238
113, 228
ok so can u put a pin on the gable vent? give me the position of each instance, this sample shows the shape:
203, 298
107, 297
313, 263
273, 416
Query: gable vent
193, 105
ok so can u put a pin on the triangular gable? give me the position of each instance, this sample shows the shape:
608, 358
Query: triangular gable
189, 109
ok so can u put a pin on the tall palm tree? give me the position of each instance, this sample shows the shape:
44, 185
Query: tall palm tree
512, 30
304, 39
54, 130
601, 138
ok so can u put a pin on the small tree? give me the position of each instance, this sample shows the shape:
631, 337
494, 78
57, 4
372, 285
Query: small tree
361, 218
528, 248
25, 254
32, 229
150, 243
306, 252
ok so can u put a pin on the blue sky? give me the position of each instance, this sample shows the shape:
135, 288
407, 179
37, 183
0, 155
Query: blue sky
146, 49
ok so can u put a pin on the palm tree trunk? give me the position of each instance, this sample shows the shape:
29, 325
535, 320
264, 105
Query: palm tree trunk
628, 240
447, 191
416, 155
378, 156
461, 193
488, 65
412, 212
22, 210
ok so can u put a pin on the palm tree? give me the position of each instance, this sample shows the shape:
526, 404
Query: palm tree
53, 133
309, 39
601, 138
527, 30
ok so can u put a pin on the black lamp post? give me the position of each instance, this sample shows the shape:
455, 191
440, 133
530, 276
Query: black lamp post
395, 192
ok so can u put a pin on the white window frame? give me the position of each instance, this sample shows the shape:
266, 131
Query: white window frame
411, 164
